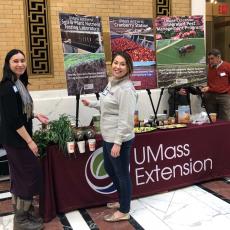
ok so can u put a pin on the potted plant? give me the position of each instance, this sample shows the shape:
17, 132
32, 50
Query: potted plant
42, 138
58, 132
79, 134
62, 128
70, 142
90, 132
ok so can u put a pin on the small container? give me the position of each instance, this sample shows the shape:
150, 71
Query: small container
136, 118
183, 114
171, 120
213, 116
81, 146
92, 144
165, 122
70, 146
141, 123
160, 123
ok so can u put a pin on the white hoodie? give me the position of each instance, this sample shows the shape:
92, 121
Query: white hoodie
117, 106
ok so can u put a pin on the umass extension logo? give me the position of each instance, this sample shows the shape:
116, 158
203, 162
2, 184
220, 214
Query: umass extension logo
96, 175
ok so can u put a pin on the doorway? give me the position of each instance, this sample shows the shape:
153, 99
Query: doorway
218, 31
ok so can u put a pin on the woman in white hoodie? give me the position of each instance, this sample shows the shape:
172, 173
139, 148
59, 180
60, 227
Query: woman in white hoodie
117, 106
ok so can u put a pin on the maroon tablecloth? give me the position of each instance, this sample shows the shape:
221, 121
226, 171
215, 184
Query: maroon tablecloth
160, 161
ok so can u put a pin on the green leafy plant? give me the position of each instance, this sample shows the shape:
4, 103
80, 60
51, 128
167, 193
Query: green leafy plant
42, 138
63, 131
57, 132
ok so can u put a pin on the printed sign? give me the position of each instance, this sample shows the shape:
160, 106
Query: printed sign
180, 46
135, 36
84, 57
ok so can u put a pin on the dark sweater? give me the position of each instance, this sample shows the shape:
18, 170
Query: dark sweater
11, 116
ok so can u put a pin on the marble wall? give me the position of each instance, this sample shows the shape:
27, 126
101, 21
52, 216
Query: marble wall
55, 102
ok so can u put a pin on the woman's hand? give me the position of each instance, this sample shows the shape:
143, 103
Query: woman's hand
85, 102
33, 147
28, 139
115, 151
42, 118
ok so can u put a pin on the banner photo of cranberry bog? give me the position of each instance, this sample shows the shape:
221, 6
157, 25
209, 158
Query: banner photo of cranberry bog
180, 50
84, 57
135, 36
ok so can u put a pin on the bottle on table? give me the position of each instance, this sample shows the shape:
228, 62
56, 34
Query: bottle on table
136, 118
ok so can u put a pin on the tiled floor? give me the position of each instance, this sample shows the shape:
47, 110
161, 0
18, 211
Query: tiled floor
200, 207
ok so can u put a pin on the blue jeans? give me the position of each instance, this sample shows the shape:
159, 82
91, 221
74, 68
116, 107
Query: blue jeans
118, 170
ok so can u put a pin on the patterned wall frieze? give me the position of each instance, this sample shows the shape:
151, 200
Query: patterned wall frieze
163, 7
38, 37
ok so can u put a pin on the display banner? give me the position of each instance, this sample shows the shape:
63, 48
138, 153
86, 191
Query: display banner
159, 161
180, 50
135, 36
84, 57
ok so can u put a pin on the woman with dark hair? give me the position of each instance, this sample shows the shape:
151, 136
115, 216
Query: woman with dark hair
117, 106
16, 114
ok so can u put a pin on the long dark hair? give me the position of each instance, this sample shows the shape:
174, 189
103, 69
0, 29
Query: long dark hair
8, 75
127, 58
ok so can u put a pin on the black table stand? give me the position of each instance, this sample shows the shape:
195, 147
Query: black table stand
151, 100
77, 108
155, 111
159, 100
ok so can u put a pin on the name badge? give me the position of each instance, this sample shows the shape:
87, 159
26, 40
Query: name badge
105, 91
15, 89
222, 74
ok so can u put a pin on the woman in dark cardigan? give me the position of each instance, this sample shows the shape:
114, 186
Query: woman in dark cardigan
16, 114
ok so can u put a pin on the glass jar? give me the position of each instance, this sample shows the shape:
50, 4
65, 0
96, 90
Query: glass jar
136, 118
